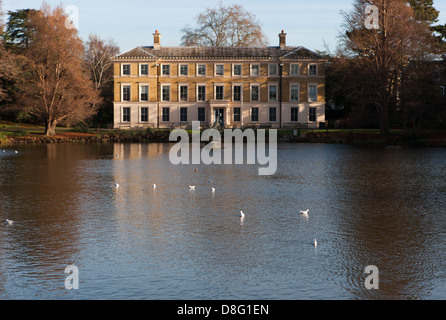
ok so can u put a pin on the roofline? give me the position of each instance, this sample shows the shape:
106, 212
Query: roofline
153, 56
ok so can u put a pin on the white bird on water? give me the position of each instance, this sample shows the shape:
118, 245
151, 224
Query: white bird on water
154, 186
315, 242
242, 215
213, 190
305, 213
9, 222
117, 186
192, 187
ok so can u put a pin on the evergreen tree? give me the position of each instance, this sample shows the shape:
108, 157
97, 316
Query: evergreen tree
18, 33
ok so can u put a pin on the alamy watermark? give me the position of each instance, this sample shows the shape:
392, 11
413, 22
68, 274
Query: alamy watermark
72, 20
372, 280
72, 280
372, 20
216, 153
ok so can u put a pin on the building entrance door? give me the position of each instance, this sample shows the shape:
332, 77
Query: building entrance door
219, 113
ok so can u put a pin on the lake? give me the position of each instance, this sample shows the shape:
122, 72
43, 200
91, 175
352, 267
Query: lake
368, 206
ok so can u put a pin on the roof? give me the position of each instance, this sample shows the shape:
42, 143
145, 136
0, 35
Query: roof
220, 53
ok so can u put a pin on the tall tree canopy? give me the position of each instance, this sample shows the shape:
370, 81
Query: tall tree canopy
225, 26
377, 59
424, 11
7, 68
55, 87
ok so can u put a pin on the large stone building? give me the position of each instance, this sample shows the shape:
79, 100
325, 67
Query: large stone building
271, 87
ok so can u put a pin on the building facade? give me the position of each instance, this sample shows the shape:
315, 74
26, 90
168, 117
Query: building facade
269, 87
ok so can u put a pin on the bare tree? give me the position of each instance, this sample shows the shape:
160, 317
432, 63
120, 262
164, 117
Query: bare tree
98, 59
55, 88
225, 26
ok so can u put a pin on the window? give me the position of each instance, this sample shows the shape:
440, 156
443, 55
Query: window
183, 114
125, 69
184, 93
442, 90
237, 114
165, 93
294, 93
272, 93
237, 70
255, 70
144, 93
126, 114
273, 69
254, 114
143, 69
312, 114
202, 114
126, 93
144, 114
312, 70
273, 114
184, 69
166, 114
255, 90
201, 70
237, 93
165, 70
219, 69
294, 114
219, 93
312, 93
201, 93
294, 69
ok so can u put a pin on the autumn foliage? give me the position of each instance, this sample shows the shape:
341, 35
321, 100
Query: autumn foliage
52, 84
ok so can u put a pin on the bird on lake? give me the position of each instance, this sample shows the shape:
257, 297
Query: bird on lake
305, 213
315, 242
192, 187
9, 222
154, 186
16, 151
117, 186
213, 190
242, 218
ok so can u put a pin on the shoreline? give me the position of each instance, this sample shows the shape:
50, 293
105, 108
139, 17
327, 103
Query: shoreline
435, 139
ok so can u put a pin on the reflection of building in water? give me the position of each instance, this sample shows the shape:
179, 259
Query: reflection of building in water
164, 87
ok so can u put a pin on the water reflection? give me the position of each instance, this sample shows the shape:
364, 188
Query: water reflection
368, 206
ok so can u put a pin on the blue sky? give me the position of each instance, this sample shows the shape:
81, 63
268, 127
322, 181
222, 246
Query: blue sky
131, 23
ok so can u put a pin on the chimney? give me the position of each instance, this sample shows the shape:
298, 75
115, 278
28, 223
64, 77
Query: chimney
282, 38
156, 40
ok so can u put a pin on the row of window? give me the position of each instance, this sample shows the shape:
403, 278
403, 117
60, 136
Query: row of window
165, 115
219, 70
183, 93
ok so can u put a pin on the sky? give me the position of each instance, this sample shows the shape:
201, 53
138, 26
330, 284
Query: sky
131, 23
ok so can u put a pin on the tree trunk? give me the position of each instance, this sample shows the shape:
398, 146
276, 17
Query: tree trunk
50, 128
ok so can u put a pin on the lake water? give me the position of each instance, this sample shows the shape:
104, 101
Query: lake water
381, 206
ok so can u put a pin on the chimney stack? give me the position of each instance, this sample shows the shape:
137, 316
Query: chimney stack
156, 40
282, 39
